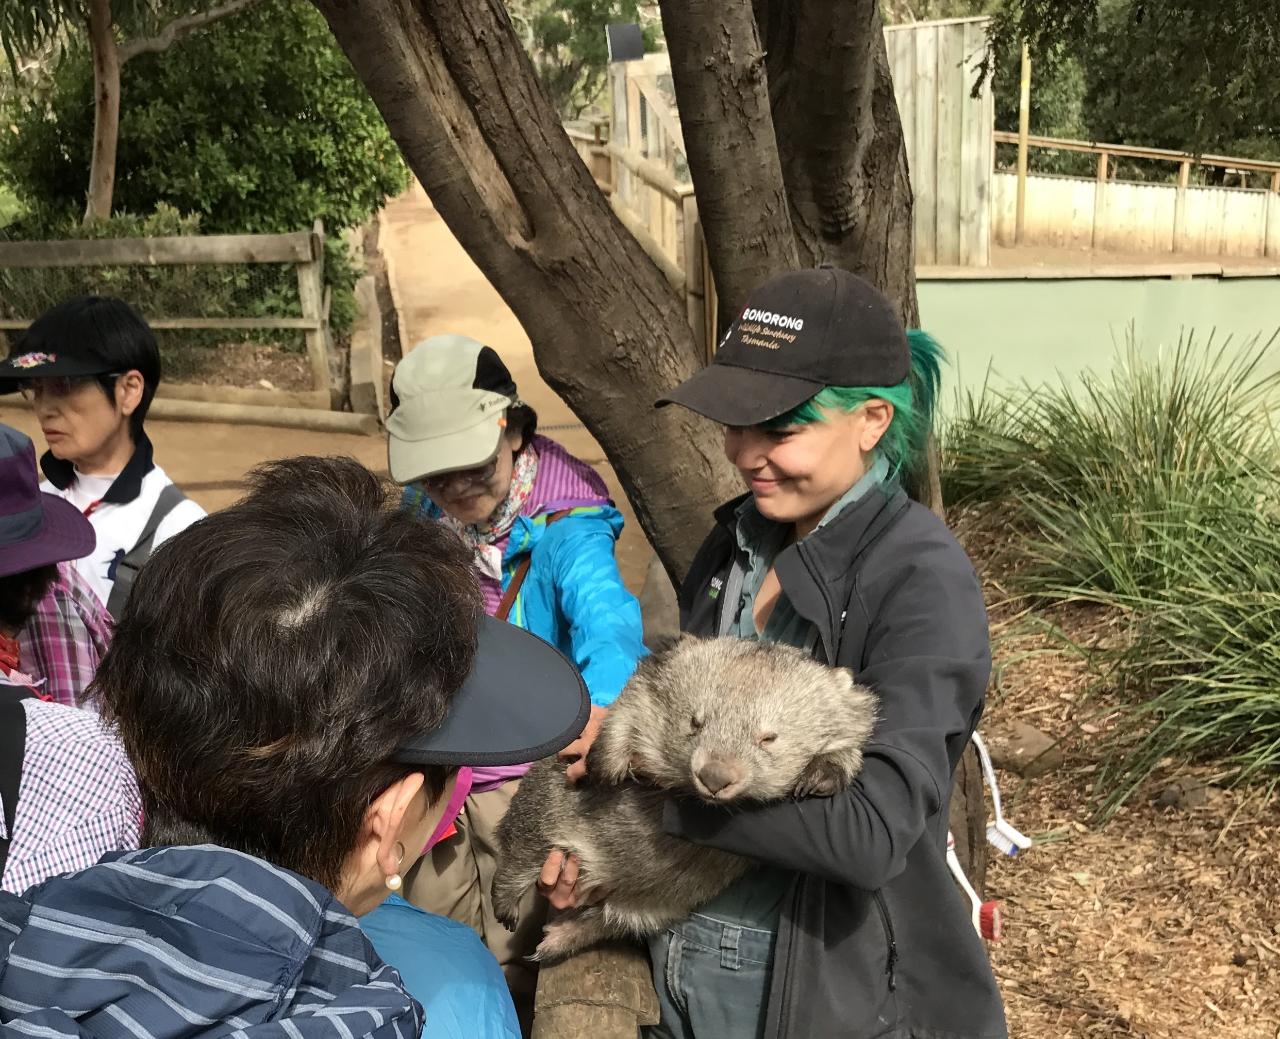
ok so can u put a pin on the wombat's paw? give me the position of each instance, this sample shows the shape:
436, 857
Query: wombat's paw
558, 941
506, 911
821, 778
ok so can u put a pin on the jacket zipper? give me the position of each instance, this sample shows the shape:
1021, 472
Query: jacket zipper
893, 942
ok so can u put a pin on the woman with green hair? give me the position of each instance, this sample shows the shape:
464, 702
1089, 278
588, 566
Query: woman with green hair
851, 925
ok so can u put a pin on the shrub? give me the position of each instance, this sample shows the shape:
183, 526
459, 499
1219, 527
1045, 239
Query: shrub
1154, 492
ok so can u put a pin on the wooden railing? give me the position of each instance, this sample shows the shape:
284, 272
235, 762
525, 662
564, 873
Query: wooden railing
1105, 213
303, 249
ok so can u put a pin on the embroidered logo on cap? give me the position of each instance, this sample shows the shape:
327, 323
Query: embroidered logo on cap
32, 360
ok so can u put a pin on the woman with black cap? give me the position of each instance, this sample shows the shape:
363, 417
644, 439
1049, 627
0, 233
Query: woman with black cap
90, 367
851, 925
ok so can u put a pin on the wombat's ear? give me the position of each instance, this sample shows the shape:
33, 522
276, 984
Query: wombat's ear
841, 759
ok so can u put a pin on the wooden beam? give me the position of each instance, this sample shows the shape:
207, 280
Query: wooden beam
655, 174
311, 297
1137, 152
1024, 132
165, 324
1180, 206
670, 269
112, 252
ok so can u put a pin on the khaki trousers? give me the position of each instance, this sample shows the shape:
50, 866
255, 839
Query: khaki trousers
456, 880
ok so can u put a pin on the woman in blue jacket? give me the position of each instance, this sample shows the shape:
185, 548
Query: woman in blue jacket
542, 532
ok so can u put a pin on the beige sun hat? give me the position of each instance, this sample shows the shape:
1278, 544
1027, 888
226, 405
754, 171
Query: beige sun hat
451, 395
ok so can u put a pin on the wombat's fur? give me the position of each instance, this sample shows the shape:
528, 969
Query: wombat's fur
725, 720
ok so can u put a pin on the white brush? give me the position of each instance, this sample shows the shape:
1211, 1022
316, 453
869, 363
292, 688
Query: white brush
1001, 834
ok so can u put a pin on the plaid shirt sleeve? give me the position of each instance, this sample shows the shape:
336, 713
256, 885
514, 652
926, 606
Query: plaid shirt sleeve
65, 639
78, 798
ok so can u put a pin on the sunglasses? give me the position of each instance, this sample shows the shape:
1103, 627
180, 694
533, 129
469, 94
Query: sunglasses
464, 477
60, 386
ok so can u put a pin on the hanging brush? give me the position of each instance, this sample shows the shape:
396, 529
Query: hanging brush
1001, 834
985, 915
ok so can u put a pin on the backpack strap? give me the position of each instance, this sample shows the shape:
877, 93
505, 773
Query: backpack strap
127, 569
521, 572
13, 748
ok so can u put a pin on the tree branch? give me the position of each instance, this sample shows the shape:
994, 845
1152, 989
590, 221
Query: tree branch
840, 141
718, 67
181, 27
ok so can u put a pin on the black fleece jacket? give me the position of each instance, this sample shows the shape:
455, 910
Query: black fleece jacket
875, 938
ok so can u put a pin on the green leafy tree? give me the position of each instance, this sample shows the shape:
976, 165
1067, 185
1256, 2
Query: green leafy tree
566, 41
1196, 75
148, 26
260, 126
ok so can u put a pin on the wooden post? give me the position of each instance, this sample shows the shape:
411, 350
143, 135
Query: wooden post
601, 993
1180, 207
1099, 199
1273, 218
1024, 131
311, 298
694, 293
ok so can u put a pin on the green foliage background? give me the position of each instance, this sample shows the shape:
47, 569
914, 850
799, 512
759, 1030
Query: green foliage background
256, 125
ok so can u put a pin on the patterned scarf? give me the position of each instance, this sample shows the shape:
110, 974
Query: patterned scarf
483, 537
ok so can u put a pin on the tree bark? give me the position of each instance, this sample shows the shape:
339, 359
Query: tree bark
106, 111
840, 141
718, 67
609, 335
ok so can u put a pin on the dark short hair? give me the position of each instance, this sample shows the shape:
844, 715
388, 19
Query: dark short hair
105, 328
524, 420
273, 656
21, 593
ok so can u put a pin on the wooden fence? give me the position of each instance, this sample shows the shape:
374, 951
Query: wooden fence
948, 136
304, 250
1107, 214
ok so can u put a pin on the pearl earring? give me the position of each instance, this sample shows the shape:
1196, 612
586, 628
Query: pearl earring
395, 881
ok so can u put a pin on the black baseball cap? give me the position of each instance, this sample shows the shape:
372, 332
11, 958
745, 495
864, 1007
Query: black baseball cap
523, 701
799, 333
80, 337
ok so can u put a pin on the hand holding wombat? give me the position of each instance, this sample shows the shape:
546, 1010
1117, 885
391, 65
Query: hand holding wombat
725, 720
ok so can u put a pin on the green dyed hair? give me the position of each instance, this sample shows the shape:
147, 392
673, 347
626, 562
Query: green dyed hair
906, 441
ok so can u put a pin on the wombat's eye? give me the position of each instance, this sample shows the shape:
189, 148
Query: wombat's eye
766, 739
695, 723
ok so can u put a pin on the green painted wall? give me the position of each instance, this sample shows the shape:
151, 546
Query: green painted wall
1031, 329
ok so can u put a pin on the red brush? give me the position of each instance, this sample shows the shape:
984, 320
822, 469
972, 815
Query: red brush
986, 915
989, 921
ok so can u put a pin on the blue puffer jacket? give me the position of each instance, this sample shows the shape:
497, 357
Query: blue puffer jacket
573, 595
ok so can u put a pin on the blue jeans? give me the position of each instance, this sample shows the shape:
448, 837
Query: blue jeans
712, 980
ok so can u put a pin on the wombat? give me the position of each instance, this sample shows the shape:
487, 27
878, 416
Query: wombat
725, 720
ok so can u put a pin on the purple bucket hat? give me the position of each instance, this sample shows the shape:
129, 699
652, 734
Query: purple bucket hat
36, 529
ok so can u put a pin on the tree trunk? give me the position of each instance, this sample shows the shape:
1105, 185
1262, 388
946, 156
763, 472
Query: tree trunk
723, 92
106, 111
609, 334
840, 141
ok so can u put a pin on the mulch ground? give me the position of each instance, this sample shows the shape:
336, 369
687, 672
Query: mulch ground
1165, 921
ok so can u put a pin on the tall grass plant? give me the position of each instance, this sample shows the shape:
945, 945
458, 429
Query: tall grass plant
1153, 490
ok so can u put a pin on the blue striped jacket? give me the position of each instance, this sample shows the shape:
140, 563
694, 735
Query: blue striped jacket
186, 942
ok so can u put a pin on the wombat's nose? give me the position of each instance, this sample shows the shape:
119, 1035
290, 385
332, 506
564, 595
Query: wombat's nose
717, 774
